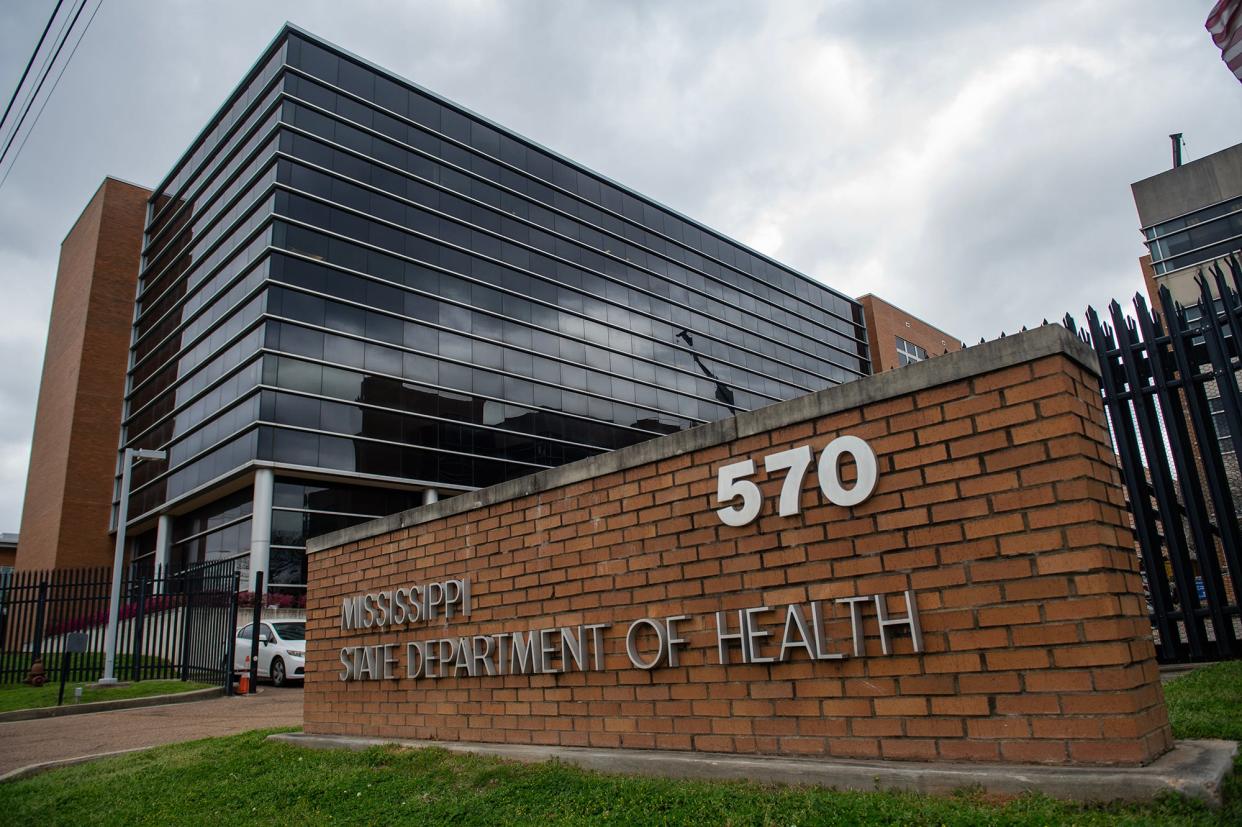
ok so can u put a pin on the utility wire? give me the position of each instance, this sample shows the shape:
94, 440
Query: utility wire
13, 136
30, 63
44, 68
55, 83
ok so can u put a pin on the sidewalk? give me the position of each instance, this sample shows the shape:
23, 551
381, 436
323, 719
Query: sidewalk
23, 743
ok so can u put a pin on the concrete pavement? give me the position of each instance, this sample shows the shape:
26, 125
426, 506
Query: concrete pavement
23, 743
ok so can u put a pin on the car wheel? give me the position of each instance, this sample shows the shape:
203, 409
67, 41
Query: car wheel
278, 672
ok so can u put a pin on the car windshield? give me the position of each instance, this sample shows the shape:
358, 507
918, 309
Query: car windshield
291, 631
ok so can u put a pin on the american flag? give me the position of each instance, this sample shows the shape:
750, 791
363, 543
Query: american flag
1225, 24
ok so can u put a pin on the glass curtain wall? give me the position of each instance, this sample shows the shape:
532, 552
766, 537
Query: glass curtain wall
353, 278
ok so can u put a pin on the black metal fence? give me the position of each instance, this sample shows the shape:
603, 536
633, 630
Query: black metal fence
1170, 386
178, 626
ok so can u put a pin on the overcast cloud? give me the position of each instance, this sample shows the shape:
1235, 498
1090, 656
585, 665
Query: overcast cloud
969, 161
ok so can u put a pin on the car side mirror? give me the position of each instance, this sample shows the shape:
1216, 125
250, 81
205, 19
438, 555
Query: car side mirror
263, 639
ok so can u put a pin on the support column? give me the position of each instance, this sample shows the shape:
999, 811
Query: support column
163, 544
430, 496
261, 525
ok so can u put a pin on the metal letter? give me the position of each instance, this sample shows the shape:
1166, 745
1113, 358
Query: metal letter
572, 648
417, 612
345, 661
381, 609
597, 643
821, 645
723, 636
462, 659
364, 662
830, 471
672, 641
750, 649
482, 659
500, 653
547, 651
429, 659
400, 607
446, 651
729, 486
855, 604
631, 647
452, 594
911, 619
795, 462
523, 657
390, 660
434, 597
794, 622
413, 659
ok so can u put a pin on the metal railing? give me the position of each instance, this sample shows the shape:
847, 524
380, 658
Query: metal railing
170, 625
1170, 383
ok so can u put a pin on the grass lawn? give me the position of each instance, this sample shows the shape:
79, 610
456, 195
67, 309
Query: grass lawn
243, 780
1207, 703
20, 696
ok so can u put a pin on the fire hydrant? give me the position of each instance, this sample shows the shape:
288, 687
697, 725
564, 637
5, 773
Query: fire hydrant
37, 676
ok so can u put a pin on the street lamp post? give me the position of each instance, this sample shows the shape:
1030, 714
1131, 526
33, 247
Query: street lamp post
122, 516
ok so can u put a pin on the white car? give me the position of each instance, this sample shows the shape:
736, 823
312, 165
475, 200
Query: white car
282, 650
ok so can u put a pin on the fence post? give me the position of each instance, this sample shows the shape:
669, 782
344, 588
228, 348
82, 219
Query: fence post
1173, 412
136, 639
1146, 520
186, 617
231, 653
254, 632
1230, 398
36, 649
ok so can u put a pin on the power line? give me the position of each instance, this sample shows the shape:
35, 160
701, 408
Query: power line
27, 100
55, 83
30, 63
13, 136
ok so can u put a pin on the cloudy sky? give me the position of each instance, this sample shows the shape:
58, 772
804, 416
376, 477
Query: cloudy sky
969, 160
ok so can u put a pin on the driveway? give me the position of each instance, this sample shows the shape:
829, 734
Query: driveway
23, 743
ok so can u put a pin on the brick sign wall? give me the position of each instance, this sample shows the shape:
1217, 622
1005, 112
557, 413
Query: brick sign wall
982, 604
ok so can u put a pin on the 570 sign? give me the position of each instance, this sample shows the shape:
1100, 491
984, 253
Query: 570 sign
732, 482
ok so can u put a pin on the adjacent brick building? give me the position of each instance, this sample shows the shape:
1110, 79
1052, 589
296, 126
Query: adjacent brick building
65, 514
8, 551
997, 504
897, 338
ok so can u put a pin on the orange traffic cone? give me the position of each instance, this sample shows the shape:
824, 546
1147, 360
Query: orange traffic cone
243, 685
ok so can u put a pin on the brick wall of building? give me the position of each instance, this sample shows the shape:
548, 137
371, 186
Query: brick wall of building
73, 453
885, 322
997, 503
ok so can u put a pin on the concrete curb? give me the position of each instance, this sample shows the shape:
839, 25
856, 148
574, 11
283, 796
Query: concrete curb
1171, 672
1194, 769
35, 769
108, 706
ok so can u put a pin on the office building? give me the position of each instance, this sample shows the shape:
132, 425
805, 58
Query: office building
1190, 215
1191, 218
356, 296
